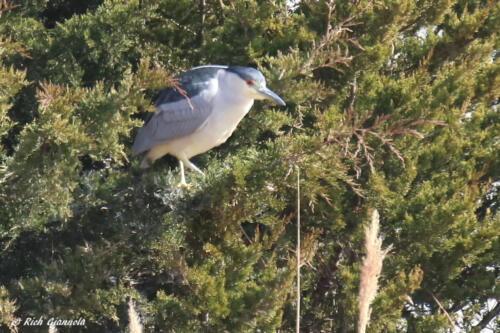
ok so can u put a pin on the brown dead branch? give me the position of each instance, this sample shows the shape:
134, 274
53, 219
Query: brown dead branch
324, 54
352, 135
442, 308
177, 88
5, 6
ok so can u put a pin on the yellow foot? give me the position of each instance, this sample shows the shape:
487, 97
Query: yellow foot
184, 185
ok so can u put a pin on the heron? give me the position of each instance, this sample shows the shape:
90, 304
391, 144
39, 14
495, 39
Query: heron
200, 112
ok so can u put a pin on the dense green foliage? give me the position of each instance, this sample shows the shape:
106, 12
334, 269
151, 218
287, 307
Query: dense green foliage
390, 105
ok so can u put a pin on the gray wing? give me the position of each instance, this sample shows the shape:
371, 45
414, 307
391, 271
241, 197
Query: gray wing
178, 115
173, 120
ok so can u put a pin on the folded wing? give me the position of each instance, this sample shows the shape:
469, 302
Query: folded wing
180, 112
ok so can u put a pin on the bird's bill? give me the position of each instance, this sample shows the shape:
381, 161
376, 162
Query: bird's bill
269, 94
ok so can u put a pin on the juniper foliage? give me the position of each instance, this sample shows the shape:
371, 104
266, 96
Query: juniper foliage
391, 105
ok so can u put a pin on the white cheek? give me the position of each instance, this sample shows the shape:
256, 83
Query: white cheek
255, 94
250, 92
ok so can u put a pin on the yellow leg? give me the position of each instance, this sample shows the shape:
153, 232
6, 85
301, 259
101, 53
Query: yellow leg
192, 166
183, 183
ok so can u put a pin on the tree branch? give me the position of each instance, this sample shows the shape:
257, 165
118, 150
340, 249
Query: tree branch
489, 316
442, 309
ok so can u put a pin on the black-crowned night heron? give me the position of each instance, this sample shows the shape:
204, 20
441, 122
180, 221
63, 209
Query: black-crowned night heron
202, 115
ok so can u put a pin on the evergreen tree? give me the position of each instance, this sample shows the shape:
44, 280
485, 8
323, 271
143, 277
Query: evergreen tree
391, 105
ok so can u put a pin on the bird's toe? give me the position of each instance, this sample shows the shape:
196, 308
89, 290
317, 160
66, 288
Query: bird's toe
184, 185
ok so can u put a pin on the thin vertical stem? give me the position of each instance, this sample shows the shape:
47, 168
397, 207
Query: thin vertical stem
298, 252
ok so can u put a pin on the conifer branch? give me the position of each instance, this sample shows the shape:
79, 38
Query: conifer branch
352, 135
7, 310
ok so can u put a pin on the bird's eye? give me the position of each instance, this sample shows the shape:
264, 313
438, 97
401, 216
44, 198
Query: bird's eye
249, 82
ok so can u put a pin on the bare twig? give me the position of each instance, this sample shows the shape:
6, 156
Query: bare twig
177, 87
202, 8
442, 309
182, 26
297, 327
246, 235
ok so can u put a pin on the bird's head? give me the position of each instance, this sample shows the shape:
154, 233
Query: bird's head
253, 83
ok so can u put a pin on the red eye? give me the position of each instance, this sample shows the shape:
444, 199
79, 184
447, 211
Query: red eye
249, 82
